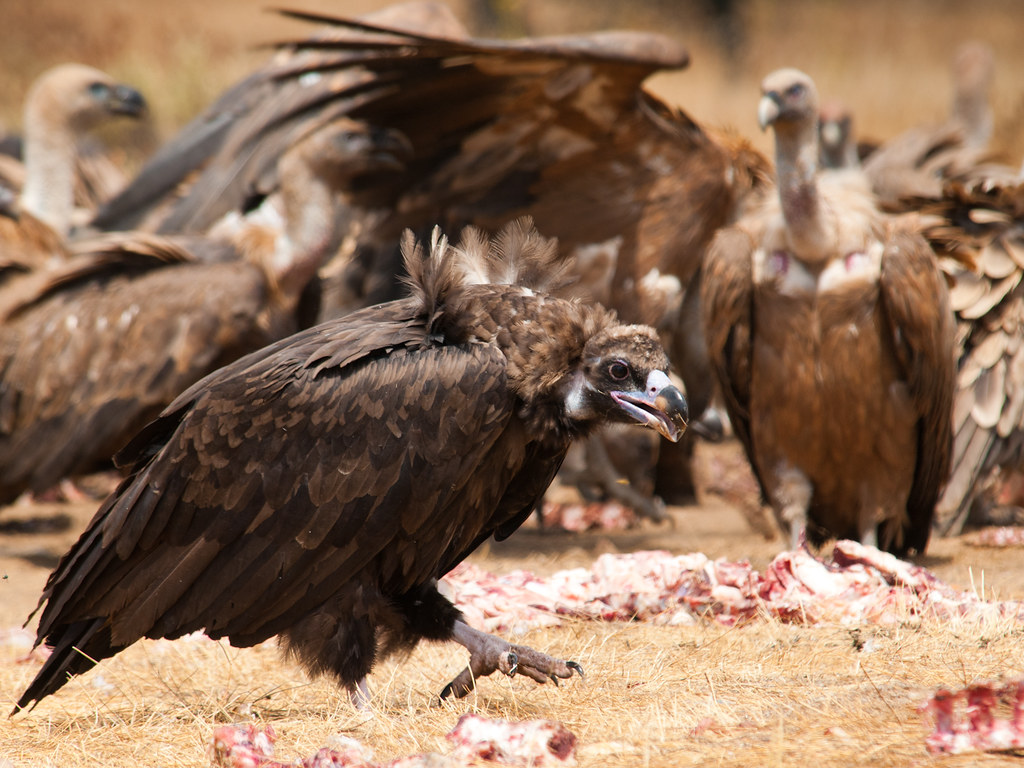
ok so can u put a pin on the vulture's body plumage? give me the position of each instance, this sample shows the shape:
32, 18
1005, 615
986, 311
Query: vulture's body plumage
980, 226
94, 348
830, 332
316, 489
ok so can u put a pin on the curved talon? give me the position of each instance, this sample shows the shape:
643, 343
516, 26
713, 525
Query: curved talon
447, 691
575, 667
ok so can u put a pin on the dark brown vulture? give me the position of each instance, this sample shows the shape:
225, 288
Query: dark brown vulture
560, 129
830, 332
63, 106
92, 349
318, 488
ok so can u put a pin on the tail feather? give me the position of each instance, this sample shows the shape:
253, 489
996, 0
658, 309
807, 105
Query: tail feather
76, 650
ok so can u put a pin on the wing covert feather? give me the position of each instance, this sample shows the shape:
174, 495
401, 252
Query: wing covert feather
369, 454
727, 288
917, 306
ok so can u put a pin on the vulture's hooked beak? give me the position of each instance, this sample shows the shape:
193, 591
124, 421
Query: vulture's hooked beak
125, 100
768, 110
660, 406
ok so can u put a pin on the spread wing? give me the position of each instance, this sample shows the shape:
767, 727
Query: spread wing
916, 303
979, 225
727, 289
103, 343
233, 146
342, 454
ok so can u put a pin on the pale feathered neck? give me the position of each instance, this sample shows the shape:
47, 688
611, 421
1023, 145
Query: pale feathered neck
49, 151
796, 169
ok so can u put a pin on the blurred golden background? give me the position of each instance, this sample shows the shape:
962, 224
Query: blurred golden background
890, 61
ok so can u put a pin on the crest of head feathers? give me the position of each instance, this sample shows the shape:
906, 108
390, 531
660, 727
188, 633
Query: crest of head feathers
517, 255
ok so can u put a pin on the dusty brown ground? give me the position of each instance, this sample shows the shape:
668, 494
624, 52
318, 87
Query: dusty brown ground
763, 694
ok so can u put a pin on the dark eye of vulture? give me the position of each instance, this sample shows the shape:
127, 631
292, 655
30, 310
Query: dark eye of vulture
830, 332
318, 488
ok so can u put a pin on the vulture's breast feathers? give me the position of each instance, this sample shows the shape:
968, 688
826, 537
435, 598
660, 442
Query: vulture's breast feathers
853, 262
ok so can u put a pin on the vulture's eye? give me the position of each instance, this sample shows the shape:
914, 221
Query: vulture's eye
618, 370
795, 91
98, 90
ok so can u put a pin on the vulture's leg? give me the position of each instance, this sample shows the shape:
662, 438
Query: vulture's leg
791, 499
608, 477
488, 654
359, 695
868, 529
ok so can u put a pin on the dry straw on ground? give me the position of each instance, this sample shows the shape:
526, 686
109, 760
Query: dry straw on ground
762, 694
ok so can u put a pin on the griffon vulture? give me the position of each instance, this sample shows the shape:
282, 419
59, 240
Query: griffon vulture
318, 488
102, 343
37, 196
918, 161
62, 107
830, 332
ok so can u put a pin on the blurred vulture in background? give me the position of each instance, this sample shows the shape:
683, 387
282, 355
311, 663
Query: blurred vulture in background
918, 161
318, 488
93, 348
981, 223
59, 172
559, 129
971, 209
830, 332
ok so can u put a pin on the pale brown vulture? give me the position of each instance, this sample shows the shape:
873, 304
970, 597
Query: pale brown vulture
560, 129
918, 161
318, 488
981, 223
92, 349
830, 332
64, 105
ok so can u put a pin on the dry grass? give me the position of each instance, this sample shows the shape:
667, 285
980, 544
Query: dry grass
764, 694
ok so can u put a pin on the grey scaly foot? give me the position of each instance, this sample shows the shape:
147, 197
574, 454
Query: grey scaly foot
488, 654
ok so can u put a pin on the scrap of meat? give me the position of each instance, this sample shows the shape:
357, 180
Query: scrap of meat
999, 536
983, 717
585, 516
535, 743
857, 584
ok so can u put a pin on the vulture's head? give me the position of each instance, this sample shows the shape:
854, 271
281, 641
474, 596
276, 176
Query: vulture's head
80, 98
345, 148
835, 135
789, 101
623, 378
